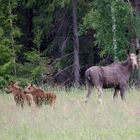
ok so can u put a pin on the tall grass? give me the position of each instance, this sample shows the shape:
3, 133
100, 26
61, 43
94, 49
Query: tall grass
72, 119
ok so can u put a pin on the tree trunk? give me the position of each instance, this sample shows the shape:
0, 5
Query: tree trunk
76, 44
64, 35
29, 28
137, 6
138, 80
114, 32
12, 41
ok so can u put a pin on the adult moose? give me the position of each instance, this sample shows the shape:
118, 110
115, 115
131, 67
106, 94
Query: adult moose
114, 76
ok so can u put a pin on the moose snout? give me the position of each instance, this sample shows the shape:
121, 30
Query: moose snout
25, 92
135, 66
7, 91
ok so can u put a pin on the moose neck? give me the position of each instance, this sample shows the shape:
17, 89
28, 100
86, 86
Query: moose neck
14, 93
128, 66
33, 93
17, 90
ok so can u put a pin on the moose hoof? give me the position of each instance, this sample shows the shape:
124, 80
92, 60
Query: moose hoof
100, 101
86, 100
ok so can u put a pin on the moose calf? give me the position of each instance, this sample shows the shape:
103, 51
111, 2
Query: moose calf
40, 97
19, 96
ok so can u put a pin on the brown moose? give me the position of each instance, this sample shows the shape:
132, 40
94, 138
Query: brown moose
114, 76
40, 96
19, 96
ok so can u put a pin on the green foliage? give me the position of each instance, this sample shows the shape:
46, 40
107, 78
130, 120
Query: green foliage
23, 81
6, 65
32, 57
3, 82
7, 68
136, 25
49, 22
9, 32
34, 67
99, 17
36, 74
5, 55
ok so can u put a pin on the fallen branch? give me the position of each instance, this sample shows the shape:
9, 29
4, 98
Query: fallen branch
60, 58
64, 83
64, 70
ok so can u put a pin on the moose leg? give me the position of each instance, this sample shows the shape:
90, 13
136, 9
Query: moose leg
53, 103
28, 101
16, 98
89, 89
100, 94
17, 103
122, 92
22, 104
116, 92
36, 101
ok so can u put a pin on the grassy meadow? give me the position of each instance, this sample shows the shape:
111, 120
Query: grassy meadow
72, 119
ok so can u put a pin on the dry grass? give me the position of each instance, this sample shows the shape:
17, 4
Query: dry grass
72, 119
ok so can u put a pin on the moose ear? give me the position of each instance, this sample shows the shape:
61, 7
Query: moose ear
12, 83
137, 51
16, 83
128, 51
28, 83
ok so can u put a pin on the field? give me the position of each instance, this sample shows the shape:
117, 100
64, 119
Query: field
72, 119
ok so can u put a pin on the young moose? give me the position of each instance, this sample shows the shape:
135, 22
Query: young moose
19, 96
40, 97
36, 92
114, 76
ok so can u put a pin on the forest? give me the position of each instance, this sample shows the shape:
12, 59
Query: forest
46, 50
55, 41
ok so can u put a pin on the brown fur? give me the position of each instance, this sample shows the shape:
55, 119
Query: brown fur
114, 76
19, 96
49, 98
27, 98
40, 96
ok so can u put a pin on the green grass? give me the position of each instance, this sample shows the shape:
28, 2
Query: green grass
72, 119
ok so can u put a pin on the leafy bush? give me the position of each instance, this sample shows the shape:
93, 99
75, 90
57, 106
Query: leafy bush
3, 82
34, 66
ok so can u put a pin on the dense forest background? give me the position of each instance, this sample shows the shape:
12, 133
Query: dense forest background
55, 41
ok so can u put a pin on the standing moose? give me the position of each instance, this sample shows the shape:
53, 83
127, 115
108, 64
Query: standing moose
114, 76
19, 96
40, 96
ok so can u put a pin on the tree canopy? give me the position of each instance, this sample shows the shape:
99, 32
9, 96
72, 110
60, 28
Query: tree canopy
37, 39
